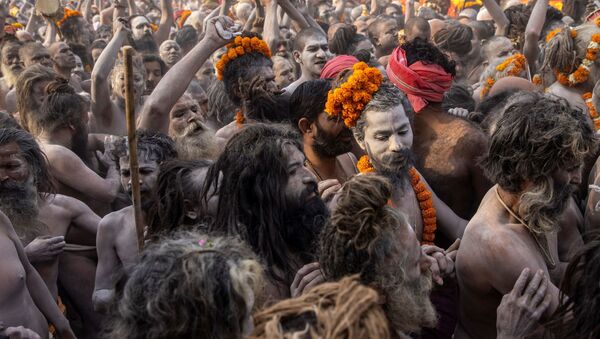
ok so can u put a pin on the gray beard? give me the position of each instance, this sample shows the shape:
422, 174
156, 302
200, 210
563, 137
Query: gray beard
19, 203
408, 306
10, 77
197, 146
542, 206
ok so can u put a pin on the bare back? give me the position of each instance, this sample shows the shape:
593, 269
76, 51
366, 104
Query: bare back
446, 149
492, 253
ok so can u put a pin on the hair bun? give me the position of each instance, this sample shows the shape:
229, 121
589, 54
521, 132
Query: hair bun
365, 192
59, 86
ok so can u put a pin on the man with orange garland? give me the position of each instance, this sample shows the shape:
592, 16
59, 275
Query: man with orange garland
446, 147
246, 70
379, 115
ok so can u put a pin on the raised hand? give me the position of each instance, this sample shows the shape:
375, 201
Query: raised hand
44, 248
521, 309
108, 158
221, 30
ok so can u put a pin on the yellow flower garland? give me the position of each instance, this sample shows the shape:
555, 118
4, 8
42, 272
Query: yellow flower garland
349, 100
239, 47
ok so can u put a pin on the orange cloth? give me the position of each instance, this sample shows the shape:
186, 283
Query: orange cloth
422, 83
63, 310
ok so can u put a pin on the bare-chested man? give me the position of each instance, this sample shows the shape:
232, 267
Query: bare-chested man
24, 298
446, 147
31, 91
11, 67
64, 63
311, 52
117, 238
61, 125
144, 39
168, 110
108, 108
516, 224
40, 218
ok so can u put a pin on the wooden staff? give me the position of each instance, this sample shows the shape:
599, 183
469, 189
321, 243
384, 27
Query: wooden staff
132, 142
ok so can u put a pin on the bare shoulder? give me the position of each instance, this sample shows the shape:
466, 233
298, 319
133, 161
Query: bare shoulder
114, 221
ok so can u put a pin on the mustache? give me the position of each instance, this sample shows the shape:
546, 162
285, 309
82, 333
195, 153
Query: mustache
397, 158
193, 127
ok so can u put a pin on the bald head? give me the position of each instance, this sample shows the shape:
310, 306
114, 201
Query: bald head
417, 27
305, 35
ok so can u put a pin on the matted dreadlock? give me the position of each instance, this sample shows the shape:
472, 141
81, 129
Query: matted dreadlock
344, 309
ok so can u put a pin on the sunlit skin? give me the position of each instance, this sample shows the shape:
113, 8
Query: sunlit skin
312, 59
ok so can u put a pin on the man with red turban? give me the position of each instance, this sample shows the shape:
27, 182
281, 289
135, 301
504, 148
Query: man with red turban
445, 147
336, 65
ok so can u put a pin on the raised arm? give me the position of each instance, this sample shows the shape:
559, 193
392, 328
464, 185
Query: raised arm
166, 21
86, 10
294, 13
50, 36
533, 30
271, 27
155, 113
101, 103
37, 288
410, 10
133, 9
498, 15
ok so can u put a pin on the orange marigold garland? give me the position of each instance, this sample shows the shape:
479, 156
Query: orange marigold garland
240, 118
364, 165
240, 46
582, 72
183, 17
424, 197
69, 13
592, 110
513, 65
349, 100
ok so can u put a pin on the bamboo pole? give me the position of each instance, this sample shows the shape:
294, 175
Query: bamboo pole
132, 142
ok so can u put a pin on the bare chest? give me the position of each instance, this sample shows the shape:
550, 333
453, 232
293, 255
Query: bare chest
405, 201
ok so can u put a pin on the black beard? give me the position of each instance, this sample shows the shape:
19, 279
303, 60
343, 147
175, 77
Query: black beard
303, 222
146, 45
263, 106
19, 202
79, 144
330, 146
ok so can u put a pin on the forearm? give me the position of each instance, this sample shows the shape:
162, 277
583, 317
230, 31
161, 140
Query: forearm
106, 61
31, 25
250, 22
410, 10
225, 8
166, 21
533, 31
132, 7
212, 14
43, 299
50, 37
498, 15
293, 13
86, 10
155, 113
374, 7
271, 27
102, 299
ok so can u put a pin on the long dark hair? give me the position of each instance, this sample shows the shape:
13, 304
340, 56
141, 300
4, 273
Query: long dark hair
578, 316
251, 175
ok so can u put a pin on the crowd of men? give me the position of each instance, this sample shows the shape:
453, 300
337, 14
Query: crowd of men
307, 169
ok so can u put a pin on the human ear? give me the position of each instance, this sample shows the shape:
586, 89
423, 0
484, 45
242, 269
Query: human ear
304, 125
296, 55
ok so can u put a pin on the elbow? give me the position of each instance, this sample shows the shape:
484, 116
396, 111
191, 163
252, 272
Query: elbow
96, 77
101, 300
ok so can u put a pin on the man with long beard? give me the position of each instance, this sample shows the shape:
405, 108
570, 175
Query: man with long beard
144, 39
11, 67
31, 91
380, 246
40, 218
117, 238
169, 109
327, 142
535, 158
269, 199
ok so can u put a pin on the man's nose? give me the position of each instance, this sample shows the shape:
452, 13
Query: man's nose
576, 177
395, 143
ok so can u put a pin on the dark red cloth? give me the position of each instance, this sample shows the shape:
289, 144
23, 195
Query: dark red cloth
422, 83
336, 65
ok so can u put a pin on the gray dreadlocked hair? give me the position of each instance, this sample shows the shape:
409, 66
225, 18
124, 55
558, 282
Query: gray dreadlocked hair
563, 52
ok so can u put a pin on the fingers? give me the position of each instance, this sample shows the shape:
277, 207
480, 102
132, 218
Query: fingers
308, 279
430, 249
520, 284
540, 293
55, 240
302, 272
454, 247
316, 281
537, 314
325, 184
441, 261
533, 285
435, 271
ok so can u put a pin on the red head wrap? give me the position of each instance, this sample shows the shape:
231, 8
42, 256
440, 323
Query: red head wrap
422, 83
336, 65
